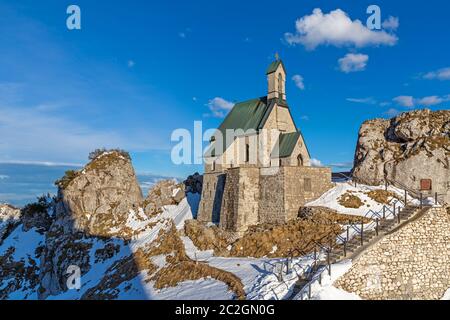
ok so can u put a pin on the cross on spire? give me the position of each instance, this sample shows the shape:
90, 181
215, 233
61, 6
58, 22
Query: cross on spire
277, 56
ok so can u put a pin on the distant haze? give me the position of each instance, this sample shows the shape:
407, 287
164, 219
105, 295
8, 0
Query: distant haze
21, 184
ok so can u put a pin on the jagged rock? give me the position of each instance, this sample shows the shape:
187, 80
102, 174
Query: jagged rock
163, 193
98, 198
408, 148
92, 206
9, 218
194, 183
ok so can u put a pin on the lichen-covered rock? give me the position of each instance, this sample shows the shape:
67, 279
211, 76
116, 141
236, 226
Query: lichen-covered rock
163, 193
97, 199
408, 148
93, 205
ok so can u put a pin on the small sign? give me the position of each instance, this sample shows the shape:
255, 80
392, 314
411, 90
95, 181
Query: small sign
425, 184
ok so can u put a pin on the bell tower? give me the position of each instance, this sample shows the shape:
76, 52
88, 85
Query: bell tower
276, 78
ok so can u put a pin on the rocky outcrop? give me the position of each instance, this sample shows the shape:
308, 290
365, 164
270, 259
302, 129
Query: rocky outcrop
93, 205
97, 199
163, 193
408, 148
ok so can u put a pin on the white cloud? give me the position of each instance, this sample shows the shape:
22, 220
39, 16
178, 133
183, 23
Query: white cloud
316, 163
219, 107
299, 81
336, 28
392, 112
410, 101
430, 101
368, 100
441, 74
391, 23
342, 165
3, 177
404, 101
182, 35
305, 118
353, 62
131, 63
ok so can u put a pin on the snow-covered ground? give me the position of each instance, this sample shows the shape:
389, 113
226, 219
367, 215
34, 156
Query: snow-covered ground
330, 199
326, 290
260, 276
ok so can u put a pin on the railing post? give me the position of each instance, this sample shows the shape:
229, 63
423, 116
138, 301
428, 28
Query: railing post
329, 262
376, 228
362, 232
309, 291
287, 265
348, 233
406, 197
384, 212
435, 199
345, 248
421, 201
398, 216
395, 207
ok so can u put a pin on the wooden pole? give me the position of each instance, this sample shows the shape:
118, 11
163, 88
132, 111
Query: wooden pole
406, 197
376, 228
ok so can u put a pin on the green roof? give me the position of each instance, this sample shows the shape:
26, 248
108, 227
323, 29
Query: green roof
274, 66
286, 144
247, 115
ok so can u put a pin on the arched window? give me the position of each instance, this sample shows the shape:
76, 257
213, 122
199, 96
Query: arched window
280, 83
300, 160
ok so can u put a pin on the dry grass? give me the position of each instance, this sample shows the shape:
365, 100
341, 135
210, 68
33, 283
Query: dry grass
208, 238
382, 196
349, 200
175, 273
293, 238
326, 215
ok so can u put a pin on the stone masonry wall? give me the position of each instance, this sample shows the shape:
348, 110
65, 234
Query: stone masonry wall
211, 201
271, 205
412, 263
296, 195
240, 199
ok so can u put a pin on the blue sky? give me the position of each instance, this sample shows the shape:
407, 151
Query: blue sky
137, 70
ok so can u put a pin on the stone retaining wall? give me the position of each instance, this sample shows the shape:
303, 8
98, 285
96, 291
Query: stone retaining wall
412, 263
